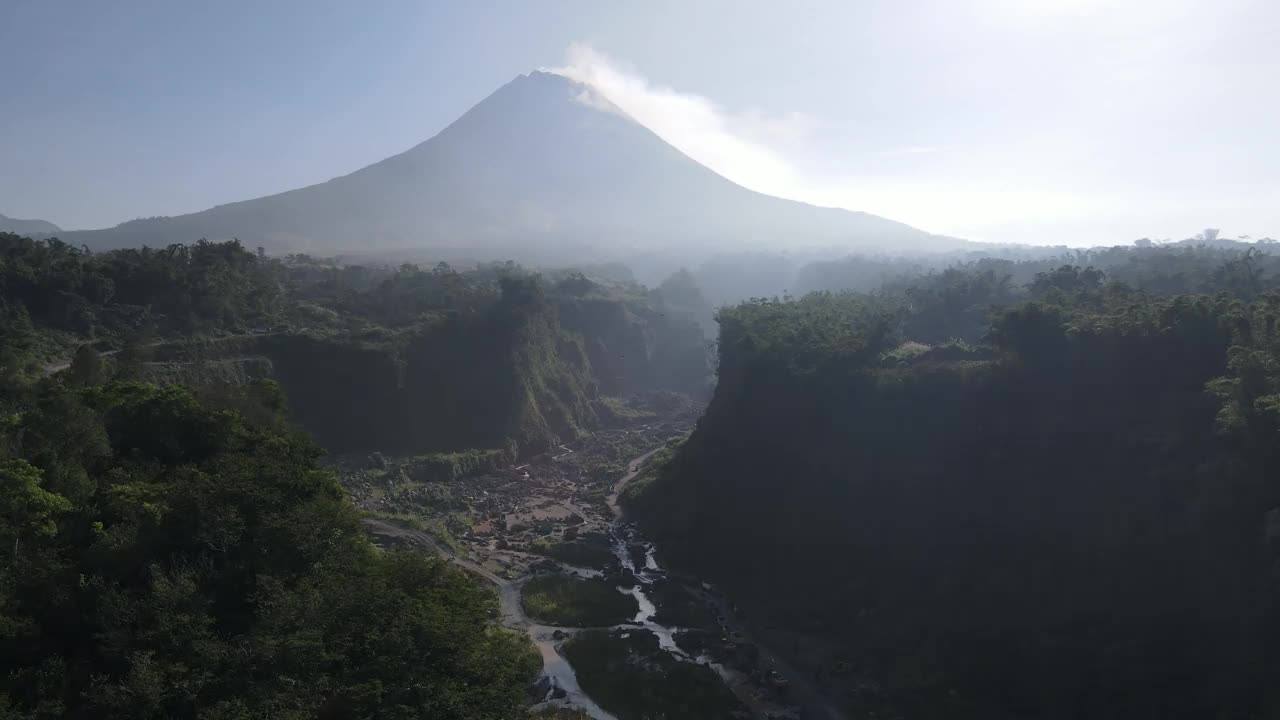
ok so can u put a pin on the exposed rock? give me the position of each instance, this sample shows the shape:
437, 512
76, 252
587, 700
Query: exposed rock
540, 688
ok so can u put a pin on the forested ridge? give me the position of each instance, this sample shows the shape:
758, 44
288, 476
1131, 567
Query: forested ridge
435, 359
55, 297
964, 496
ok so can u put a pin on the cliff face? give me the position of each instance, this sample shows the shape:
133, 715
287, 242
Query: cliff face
523, 375
347, 396
635, 347
512, 375
508, 378
1056, 521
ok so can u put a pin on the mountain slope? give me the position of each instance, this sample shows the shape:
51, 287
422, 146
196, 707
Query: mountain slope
542, 166
27, 227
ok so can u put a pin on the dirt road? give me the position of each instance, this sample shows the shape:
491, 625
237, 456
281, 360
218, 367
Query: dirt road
508, 591
633, 469
54, 368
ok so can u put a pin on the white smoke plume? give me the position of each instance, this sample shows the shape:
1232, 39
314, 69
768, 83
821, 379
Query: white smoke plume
746, 147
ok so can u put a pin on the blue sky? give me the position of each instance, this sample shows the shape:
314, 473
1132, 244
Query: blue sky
1077, 121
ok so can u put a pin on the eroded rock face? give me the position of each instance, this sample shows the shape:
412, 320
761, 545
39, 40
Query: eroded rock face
541, 689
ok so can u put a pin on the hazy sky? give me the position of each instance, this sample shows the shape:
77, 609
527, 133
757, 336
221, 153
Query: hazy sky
1076, 121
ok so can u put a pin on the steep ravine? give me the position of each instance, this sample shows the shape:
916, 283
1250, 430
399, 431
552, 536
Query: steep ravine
560, 686
523, 375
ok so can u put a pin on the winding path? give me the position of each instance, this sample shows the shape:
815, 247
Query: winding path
54, 368
633, 469
508, 591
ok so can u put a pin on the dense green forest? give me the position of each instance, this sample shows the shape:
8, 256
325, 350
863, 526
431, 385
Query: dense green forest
1180, 266
55, 298
165, 558
1162, 269
967, 496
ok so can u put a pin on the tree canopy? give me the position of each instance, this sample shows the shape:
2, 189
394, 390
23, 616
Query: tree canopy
974, 498
165, 558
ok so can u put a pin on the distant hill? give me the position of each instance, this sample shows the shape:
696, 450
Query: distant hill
542, 167
27, 227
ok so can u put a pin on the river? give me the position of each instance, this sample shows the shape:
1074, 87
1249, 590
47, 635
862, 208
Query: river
559, 678
558, 670
621, 537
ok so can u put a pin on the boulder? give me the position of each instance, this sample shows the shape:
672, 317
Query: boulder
540, 688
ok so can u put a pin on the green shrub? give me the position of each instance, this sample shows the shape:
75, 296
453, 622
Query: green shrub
629, 675
575, 602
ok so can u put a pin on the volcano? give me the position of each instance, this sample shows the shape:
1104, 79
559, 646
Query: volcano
544, 168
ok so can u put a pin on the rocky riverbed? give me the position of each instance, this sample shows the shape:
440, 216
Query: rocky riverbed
619, 638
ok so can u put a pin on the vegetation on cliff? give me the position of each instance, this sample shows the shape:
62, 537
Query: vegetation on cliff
1052, 499
55, 297
492, 358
